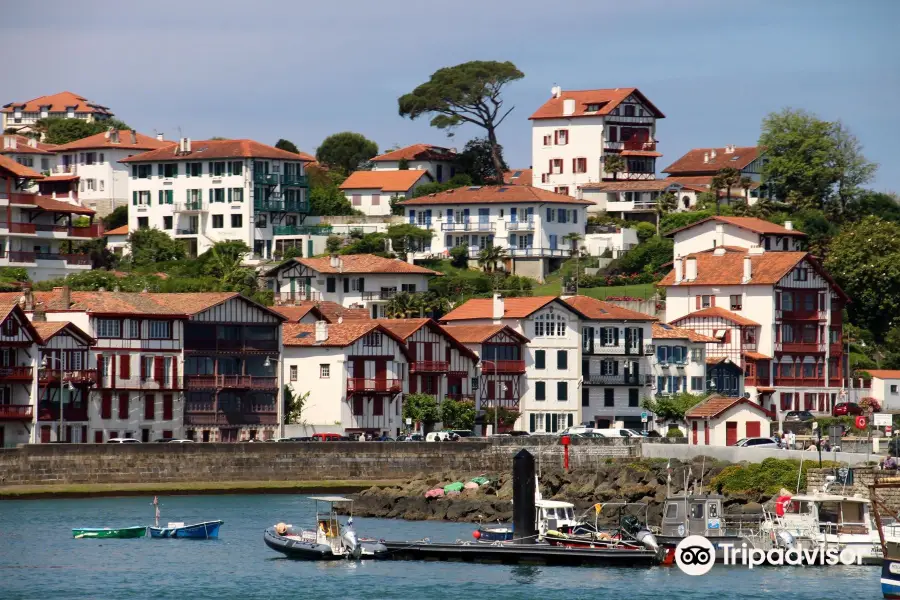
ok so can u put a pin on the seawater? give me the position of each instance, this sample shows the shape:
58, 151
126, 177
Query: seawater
39, 559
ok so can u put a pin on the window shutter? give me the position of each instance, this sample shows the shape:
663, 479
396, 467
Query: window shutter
125, 366
550, 170
362, 284
134, 170
229, 192
712, 300
777, 300
158, 373
556, 137
100, 366
106, 406
123, 406
412, 217
134, 198
615, 364
149, 406
615, 336
200, 195
531, 421
228, 165
143, 367
698, 302
346, 285
159, 170
167, 407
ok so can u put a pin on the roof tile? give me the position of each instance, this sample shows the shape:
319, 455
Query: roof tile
884, 373
518, 177
766, 269
8, 164
692, 162
58, 103
216, 149
104, 140
339, 335
753, 224
362, 263
494, 194
664, 331
719, 312
386, 181
478, 334
597, 310
514, 308
418, 152
716, 405
608, 99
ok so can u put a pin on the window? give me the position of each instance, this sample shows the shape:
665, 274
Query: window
90, 158
376, 199
633, 397
261, 222
705, 301
237, 221
787, 333
609, 336
168, 170
801, 274
293, 372
662, 354
217, 169
408, 287
324, 371
372, 340
609, 367
579, 165
550, 325
696, 355
609, 397
540, 359
556, 166
194, 169
167, 222
356, 199
217, 195
696, 384
140, 198
330, 285
562, 360
562, 390
562, 189
235, 194
540, 390
109, 328
166, 197
894, 389
160, 330
218, 221
736, 303
357, 284
562, 137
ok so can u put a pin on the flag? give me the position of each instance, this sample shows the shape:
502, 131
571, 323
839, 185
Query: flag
597, 508
669, 471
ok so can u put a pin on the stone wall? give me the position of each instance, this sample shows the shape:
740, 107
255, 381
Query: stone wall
737, 454
863, 477
152, 463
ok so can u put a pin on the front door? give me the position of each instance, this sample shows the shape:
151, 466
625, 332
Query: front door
694, 433
731, 433
229, 435
45, 434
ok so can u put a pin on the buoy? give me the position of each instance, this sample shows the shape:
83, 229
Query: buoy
476, 534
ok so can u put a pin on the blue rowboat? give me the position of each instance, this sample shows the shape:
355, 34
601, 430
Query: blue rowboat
198, 531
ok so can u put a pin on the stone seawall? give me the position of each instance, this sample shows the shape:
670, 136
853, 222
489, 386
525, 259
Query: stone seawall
862, 479
41, 464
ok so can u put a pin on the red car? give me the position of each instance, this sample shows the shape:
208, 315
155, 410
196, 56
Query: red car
842, 409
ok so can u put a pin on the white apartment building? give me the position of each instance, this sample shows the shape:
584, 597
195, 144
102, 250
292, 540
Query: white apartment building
529, 223
103, 181
351, 280
353, 373
616, 350
22, 116
29, 152
371, 192
547, 397
679, 363
205, 192
573, 132
438, 161
698, 167
736, 232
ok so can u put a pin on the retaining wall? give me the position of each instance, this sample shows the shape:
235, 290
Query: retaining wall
736, 454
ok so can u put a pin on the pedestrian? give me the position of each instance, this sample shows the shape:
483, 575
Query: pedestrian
826, 446
784, 441
792, 440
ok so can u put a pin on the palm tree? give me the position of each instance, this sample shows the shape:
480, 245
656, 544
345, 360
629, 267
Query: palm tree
613, 163
400, 306
665, 204
490, 256
573, 239
746, 183
726, 179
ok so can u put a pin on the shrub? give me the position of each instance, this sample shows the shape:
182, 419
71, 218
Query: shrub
767, 477
645, 231
674, 432
459, 256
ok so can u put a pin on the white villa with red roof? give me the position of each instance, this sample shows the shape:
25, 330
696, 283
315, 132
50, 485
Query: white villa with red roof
21, 116
736, 232
372, 192
697, 168
438, 161
574, 131
30, 152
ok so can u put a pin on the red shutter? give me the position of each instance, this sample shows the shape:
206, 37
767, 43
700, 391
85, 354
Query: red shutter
123, 406
378, 407
100, 367
551, 167
125, 366
712, 300
106, 405
413, 381
167, 407
84, 434
98, 437
158, 368
727, 338
357, 405
174, 373
574, 165
556, 137
706, 432
698, 302
149, 406
143, 367
777, 300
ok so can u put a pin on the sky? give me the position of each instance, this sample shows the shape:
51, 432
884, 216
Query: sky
302, 70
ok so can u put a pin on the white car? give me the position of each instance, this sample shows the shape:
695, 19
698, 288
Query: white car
180, 441
438, 436
758, 442
122, 441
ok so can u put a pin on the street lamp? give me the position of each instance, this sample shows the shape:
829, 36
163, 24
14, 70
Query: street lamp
68, 385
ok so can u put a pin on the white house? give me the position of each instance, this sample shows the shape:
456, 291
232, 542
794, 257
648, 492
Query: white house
722, 421
117, 240
679, 363
439, 162
529, 223
371, 192
548, 394
636, 200
209, 191
573, 132
29, 152
103, 180
736, 232
351, 280
611, 240
21, 116
699, 165
616, 351
886, 388
353, 373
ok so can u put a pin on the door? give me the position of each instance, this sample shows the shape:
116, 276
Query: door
381, 375
753, 429
309, 247
293, 281
731, 433
45, 434
229, 435
694, 433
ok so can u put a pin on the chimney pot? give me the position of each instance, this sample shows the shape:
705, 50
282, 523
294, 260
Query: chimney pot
499, 308
679, 270
712, 154
705, 157
748, 269
690, 269
321, 331
568, 107
160, 137
133, 136
789, 225
556, 91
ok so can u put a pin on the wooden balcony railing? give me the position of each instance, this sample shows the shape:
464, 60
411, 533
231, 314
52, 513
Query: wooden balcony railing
16, 373
502, 366
166, 382
807, 382
75, 377
21, 227
289, 298
237, 382
378, 386
16, 412
205, 413
429, 366
70, 413
621, 379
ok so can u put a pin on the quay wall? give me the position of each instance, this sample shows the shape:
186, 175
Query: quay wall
40, 464
862, 479
736, 454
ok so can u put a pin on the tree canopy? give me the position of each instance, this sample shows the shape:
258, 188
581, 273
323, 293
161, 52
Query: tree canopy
346, 151
150, 246
466, 93
476, 160
287, 145
62, 131
117, 218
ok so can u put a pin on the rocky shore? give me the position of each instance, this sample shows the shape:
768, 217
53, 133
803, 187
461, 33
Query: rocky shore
627, 481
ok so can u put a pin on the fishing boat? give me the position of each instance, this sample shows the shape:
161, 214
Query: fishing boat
887, 525
328, 540
703, 514
109, 532
631, 533
198, 531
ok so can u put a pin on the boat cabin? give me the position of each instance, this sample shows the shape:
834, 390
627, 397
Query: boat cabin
838, 514
693, 515
554, 515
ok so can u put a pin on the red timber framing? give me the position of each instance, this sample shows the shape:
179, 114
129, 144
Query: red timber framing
500, 380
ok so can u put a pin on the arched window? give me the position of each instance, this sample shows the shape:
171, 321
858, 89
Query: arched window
686, 201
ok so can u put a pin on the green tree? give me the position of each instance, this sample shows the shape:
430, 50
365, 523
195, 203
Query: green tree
725, 179
62, 131
294, 403
465, 93
615, 164
151, 246
406, 237
457, 181
397, 209
328, 200
403, 165
885, 206
665, 203
287, 146
648, 257
333, 244
404, 305
223, 261
853, 169
117, 218
477, 161
459, 256
645, 231
457, 414
490, 256
864, 259
101, 256
370, 243
346, 151
421, 408
672, 408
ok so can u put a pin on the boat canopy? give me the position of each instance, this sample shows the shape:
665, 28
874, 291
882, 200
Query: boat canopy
553, 504
330, 499
830, 498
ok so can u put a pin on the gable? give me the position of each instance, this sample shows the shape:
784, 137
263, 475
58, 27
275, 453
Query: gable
238, 310
15, 329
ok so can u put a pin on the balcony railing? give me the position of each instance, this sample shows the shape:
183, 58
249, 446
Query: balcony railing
205, 413
520, 225
295, 180
429, 366
468, 226
630, 145
188, 231
265, 178
539, 252
18, 198
757, 381
70, 413
621, 379
301, 230
21, 228
16, 412
381, 386
489, 367
288, 298
192, 206
621, 349
236, 382
166, 382
91, 231
807, 382
16, 373
16, 256
800, 314
799, 347
75, 377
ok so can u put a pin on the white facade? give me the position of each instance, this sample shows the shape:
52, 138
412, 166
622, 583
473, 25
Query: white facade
616, 240
440, 170
103, 183
711, 233
679, 365
885, 387
18, 379
741, 420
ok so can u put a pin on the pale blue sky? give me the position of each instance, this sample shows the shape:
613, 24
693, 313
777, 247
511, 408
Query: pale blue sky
302, 70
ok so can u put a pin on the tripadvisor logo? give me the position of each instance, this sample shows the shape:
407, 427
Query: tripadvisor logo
695, 555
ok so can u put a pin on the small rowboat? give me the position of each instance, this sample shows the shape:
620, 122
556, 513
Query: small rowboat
109, 532
198, 531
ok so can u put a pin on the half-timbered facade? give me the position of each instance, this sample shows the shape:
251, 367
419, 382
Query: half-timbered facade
352, 372
18, 368
680, 360
699, 166
736, 232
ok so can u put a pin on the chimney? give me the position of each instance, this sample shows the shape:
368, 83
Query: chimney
679, 270
719, 251
720, 234
108, 133
321, 331
133, 137
498, 307
28, 297
187, 145
39, 315
335, 261
65, 296
32, 143
748, 270
789, 225
568, 107
712, 154
160, 138
9, 141
556, 91
690, 269
729, 149
705, 157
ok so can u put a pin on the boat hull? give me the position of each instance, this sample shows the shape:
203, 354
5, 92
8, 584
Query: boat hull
199, 531
720, 543
890, 578
293, 547
109, 532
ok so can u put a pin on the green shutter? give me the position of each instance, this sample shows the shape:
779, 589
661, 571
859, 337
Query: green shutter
159, 170
200, 195
187, 195
229, 167
187, 169
170, 196
134, 198
159, 196
229, 193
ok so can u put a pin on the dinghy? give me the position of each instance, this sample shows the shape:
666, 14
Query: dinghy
109, 532
198, 531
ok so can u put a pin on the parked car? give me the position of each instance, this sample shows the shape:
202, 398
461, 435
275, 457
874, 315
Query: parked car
637, 433
758, 442
177, 441
438, 436
462, 433
410, 437
518, 433
799, 416
328, 437
842, 409
122, 441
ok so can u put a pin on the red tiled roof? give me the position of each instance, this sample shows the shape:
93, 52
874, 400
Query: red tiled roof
23, 146
386, 181
360, 263
63, 177
608, 99
418, 152
692, 162
753, 355
716, 405
403, 328
722, 313
58, 103
339, 335
766, 269
494, 194
513, 308
123, 230
597, 310
478, 334
13, 308
524, 177
48, 329
9, 165
883, 373
104, 140
648, 185
329, 311
295, 313
52, 205
664, 331
701, 182
753, 224
216, 149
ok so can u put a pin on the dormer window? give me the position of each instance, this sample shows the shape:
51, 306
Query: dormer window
592, 108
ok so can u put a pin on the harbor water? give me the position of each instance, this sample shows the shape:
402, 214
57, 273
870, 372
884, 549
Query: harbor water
39, 559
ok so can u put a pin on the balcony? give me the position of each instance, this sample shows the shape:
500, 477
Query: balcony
26, 228
265, 178
295, 180
188, 231
630, 145
223, 345
807, 382
467, 226
520, 226
16, 373
757, 381
75, 377
192, 206
489, 367
16, 412
230, 382
301, 230
289, 298
18, 198
205, 413
538, 252
15, 256
70, 413
91, 231
162, 383
799, 314
621, 349
358, 385
268, 205
799, 347
429, 366
621, 379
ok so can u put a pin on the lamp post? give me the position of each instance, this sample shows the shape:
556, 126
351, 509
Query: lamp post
68, 385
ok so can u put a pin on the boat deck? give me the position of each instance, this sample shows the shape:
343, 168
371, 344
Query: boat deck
517, 554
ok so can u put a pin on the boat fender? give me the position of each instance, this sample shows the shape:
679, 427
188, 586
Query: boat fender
786, 539
476, 534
